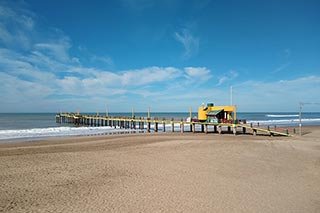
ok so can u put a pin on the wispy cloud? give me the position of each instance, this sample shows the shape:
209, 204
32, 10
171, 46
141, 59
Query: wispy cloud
189, 42
16, 27
104, 59
285, 55
197, 73
57, 49
281, 68
232, 74
88, 56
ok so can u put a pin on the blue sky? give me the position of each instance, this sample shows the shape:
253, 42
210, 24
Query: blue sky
169, 55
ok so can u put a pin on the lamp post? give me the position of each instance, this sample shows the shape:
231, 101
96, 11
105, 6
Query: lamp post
300, 112
300, 124
107, 111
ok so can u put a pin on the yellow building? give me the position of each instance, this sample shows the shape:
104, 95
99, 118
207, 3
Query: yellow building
217, 114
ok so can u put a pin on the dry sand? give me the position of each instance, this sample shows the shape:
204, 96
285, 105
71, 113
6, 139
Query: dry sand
162, 173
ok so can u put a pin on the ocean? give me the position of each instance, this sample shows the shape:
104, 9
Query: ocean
40, 125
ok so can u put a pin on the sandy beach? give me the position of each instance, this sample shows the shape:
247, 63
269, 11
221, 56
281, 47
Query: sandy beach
162, 173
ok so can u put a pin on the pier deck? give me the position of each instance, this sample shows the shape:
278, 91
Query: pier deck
147, 123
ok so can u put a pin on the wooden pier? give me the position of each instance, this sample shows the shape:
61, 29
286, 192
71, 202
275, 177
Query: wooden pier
145, 124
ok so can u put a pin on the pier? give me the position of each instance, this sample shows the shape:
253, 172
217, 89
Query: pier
150, 124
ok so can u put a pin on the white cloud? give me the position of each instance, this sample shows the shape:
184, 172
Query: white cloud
282, 95
189, 42
47, 72
15, 64
16, 27
105, 59
197, 73
57, 49
45, 76
149, 75
232, 74
19, 91
5, 36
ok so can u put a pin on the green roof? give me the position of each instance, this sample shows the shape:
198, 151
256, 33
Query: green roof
214, 112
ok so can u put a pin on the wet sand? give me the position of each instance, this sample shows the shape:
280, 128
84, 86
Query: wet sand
162, 173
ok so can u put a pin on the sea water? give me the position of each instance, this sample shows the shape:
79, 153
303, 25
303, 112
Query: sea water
39, 125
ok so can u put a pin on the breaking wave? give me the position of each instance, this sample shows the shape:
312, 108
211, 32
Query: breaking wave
286, 121
71, 131
282, 116
53, 131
